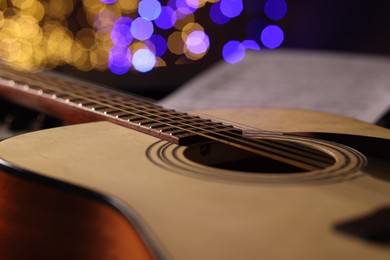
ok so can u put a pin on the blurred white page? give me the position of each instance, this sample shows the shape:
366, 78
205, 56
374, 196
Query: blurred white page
352, 85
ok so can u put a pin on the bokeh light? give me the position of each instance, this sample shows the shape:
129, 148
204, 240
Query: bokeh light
108, 1
231, 8
197, 42
120, 34
119, 60
272, 36
166, 19
275, 9
216, 14
144, 60
233, 52
182, 8
159, 43
141, 29
137, 35
251, 44
149, 9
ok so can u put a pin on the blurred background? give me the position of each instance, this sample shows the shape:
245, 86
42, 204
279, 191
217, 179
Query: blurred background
151, 48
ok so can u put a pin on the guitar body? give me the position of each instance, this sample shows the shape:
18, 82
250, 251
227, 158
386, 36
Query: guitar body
128, 194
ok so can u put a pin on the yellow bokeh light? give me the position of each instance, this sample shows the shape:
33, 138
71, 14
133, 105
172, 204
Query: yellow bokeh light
160, 63
1, 19
180, 24
94, 6
189, 28
10, 31
59, 8
137, 46
22, 4
86, 37
29, 29
128, 6
36, 10
98, 58
90, 15
175, 43
59, 45
79, 56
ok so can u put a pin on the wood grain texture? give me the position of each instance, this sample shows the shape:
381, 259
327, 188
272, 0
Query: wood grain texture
38, 221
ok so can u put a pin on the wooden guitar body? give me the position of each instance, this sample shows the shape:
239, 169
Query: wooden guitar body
106, 191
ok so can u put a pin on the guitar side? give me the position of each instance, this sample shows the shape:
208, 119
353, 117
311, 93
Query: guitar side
198, 218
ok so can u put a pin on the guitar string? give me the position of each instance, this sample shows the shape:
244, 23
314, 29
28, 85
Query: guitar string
245, 141
175, 126
104, 104
153, 120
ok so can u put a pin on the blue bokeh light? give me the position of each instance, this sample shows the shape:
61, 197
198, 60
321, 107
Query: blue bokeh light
251, 44
166, 19
160, 44
197, 42
141, 28
149, 9
119, 60
120, 34
216, 15
272, 36
144, 60
275, 9
231, 8
233, 52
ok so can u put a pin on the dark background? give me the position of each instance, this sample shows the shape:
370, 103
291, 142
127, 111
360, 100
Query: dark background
346, 25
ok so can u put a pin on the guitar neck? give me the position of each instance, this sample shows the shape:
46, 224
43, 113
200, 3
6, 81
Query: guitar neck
80, 102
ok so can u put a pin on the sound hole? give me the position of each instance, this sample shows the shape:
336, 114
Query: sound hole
226, 157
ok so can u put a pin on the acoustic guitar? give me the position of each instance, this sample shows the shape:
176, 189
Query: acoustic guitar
129, 179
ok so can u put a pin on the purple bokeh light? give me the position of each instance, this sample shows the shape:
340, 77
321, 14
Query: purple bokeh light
198, 42
272, 36
119, 60
144, 60
120, 34
108, 2
251, 44
149, 9
275, 9
182, 9
193, 3
233, 52
141, 29
231, 8
166, 19
216, 15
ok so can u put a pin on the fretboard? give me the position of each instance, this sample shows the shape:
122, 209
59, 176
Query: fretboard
75, 101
